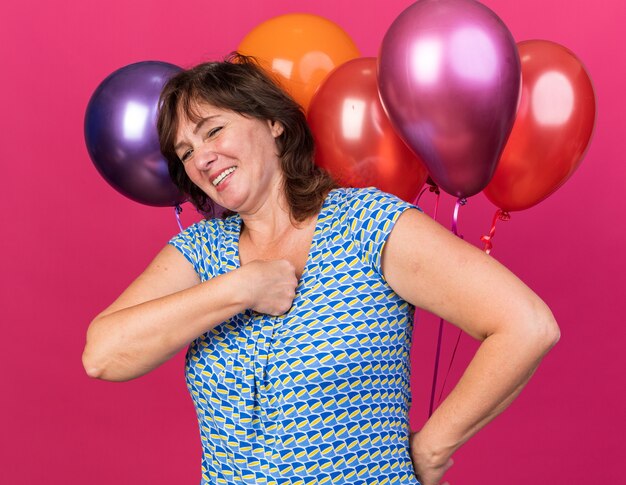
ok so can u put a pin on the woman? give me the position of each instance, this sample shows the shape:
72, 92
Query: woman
297, 308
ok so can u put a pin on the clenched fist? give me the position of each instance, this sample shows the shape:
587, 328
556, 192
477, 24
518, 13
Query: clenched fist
270, 285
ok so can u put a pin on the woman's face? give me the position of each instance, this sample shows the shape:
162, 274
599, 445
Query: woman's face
233, 159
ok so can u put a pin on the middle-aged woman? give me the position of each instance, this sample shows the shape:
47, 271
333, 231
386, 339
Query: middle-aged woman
297, 308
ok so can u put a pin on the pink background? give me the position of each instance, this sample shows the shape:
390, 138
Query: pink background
71, 244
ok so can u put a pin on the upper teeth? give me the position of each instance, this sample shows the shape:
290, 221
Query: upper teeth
223, 175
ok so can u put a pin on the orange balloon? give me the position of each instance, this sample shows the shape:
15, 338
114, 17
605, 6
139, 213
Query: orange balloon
354, 139
301, 49
552, 129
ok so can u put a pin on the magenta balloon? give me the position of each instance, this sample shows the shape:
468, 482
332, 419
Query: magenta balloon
449, 79
121, 135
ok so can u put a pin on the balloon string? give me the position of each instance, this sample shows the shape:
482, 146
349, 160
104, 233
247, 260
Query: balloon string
438, 353
177, 210
503, 216
445, 379
417, 199
455, 219
499, 215
432, 188
440, 336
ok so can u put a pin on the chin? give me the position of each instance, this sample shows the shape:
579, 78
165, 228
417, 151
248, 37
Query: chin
231, 202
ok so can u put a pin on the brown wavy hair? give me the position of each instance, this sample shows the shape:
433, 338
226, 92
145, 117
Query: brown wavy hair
239, 84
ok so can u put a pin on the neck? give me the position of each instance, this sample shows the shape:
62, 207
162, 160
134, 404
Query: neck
269, 222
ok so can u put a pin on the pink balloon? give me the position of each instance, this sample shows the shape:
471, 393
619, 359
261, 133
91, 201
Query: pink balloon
449, 79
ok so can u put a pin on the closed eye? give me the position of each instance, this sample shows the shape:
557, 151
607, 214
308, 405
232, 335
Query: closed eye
186, 155
210, 134
213, 131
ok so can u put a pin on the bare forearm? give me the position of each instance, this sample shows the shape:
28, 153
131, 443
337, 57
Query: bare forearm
130, 342
500, 369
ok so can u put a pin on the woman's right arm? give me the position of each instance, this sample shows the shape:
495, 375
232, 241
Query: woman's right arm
167, 307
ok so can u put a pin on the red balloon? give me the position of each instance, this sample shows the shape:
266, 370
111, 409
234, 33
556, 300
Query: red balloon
552, 129
354, 138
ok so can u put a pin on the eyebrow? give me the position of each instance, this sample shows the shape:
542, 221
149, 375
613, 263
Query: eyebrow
197, 128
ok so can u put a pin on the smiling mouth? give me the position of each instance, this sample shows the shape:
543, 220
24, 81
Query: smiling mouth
217, 180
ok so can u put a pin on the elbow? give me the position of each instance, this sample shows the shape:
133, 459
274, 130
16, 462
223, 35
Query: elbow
91, 368
534, 330
94, 367
91, 362
96, 359
103, 364
547, 332
97, 369
555, 333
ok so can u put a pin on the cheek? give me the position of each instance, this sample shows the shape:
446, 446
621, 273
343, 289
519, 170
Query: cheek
191, 172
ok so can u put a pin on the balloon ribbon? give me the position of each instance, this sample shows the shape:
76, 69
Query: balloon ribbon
460, 202
177, 210
435, 189
431, 188
499, 215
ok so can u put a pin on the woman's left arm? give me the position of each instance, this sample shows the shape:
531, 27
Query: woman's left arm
437, 271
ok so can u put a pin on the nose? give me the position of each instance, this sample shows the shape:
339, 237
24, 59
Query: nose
204, 156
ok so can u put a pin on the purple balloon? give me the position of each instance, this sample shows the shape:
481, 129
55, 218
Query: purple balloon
121, 135
449, 78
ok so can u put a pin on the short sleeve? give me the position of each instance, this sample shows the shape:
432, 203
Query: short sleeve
198, 244
373, 214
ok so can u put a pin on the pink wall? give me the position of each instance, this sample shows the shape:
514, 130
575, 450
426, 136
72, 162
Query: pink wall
71, 243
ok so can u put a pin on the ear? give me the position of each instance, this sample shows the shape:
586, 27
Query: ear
276, 127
